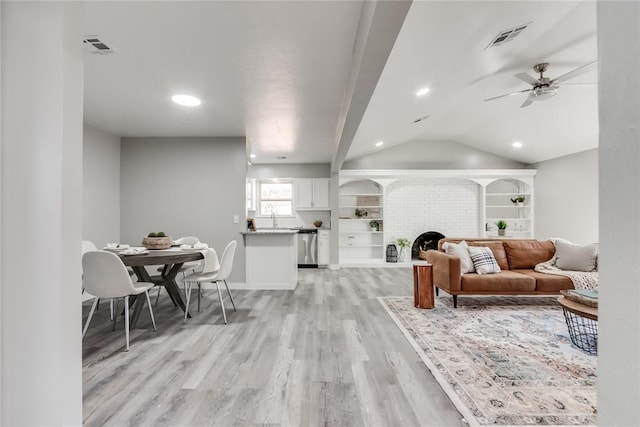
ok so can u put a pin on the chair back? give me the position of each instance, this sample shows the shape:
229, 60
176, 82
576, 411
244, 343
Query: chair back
187, 240
226, 264
105, 276
210, 263
87, 246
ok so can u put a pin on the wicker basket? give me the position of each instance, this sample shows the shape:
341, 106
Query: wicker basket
157, 242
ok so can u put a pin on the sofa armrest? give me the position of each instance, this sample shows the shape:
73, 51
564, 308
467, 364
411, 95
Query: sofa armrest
446, 270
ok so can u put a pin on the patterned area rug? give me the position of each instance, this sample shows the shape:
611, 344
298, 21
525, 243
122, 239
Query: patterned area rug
503, 360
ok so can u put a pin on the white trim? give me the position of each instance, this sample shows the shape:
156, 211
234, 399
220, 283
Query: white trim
439, 173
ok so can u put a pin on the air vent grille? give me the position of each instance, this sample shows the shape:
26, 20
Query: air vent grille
98, 46
507, 35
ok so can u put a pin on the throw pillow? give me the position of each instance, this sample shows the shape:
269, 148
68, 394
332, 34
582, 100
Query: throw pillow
461, 251
572, 257
483, 260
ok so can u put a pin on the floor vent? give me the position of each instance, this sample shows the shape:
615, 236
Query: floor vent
507, 35
98, 46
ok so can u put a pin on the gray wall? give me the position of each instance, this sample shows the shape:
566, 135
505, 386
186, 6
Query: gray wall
566, 198
296, 170
432, 155
185, 186
100, 186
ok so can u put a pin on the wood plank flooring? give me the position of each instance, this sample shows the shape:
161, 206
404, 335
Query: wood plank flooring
324, 354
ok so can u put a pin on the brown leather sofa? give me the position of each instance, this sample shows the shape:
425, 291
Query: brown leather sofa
516, 258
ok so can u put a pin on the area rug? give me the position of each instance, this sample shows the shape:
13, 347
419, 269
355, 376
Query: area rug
502, 360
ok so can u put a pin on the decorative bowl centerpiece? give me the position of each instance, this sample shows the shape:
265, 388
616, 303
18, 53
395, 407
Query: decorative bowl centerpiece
317, 223
157, 241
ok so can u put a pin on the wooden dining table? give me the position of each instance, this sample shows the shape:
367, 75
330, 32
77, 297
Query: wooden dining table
172, 259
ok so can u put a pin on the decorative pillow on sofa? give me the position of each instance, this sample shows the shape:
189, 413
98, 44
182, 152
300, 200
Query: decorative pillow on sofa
497, 248
570, 256
483, 260
461, 250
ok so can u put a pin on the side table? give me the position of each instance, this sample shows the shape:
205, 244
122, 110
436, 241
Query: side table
582, 322
422, 285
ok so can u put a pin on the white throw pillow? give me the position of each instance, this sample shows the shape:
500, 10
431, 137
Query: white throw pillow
461, 250
572, 257
483, 260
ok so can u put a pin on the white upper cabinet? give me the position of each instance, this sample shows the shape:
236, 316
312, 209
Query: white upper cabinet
311, 193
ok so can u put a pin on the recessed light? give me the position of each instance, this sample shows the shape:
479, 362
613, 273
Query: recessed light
517, 144
379, 143
186, 100
423, 91
253, 156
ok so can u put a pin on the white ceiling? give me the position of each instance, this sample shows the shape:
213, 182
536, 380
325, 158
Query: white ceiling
278, 72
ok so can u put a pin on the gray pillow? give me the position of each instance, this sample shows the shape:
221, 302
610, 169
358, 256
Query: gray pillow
570, 256
461, 251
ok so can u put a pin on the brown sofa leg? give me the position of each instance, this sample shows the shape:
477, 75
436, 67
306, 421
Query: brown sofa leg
455, 301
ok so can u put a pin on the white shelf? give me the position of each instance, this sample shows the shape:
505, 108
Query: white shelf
509, 194
361, 194
359, 207
508, 218
361, 232
361, 219
508, 206
498, 206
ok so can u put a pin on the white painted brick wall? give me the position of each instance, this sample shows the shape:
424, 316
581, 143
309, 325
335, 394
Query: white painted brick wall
415, 205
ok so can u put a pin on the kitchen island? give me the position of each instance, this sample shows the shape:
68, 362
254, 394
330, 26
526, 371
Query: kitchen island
271, 258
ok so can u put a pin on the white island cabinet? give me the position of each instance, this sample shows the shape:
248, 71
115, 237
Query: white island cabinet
271, 259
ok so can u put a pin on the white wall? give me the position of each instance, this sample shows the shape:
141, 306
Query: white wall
101, 186
185, 187
566, 198
619, 156
40, 210
432, 155
413, 206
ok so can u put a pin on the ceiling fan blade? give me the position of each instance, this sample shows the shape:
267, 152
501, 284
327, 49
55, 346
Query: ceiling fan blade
528, 102
509, 94
528, 79
575, 73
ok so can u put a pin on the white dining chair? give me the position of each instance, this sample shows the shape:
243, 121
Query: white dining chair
105, 276
224, 270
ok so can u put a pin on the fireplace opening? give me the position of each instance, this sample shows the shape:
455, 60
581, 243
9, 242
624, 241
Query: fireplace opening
425, 241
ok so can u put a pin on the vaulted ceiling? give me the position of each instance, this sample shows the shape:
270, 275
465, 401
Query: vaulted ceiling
310, 79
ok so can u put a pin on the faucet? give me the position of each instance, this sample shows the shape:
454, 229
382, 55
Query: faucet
274, 220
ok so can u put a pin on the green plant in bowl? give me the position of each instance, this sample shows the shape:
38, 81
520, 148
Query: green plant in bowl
152, 234
502, 225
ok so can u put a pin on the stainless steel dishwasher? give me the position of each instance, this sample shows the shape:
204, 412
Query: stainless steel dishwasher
308, 248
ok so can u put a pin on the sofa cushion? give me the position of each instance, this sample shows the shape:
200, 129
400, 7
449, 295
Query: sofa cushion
570, 256
460, 250
498, 252
483, 260
525, 254
548, 282
505, 281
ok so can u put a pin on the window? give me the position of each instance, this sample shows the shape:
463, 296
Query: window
275, 197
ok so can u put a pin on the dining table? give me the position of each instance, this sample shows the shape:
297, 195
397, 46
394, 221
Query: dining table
172, 259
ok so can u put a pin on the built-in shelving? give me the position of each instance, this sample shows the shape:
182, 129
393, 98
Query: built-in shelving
499, 206
361, 202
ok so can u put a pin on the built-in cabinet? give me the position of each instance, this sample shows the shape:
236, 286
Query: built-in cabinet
509, 200
311, 193
323, 247
361, 218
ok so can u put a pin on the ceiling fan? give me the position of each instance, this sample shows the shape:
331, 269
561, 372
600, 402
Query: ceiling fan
544, 87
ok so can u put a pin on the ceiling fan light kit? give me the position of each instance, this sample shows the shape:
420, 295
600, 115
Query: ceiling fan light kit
543, 87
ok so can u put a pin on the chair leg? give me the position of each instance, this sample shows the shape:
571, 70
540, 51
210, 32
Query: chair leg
153, 320
126, 321
158, 295
224, 313
111, 309
230, 297
187, 294
115, 314
93, 308
199, 293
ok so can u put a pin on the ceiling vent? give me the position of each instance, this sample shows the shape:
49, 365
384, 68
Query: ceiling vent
98, 46
507, 35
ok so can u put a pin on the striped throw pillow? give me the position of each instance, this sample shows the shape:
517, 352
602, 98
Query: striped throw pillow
483, 260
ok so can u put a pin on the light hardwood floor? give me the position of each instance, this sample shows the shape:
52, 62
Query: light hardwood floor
324, 354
